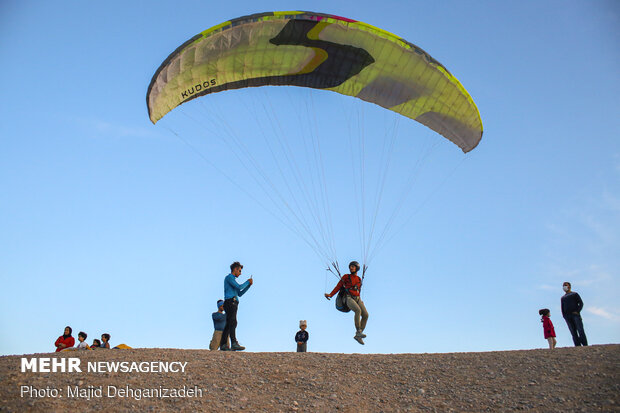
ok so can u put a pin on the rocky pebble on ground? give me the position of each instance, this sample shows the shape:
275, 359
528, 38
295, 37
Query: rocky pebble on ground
580, 379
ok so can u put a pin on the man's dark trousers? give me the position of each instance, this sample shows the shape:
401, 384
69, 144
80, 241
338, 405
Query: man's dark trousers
575, 325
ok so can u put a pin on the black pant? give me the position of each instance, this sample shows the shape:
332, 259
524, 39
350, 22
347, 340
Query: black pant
575, 325
230, 307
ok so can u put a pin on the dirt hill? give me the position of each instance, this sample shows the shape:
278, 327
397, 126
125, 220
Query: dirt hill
583, 379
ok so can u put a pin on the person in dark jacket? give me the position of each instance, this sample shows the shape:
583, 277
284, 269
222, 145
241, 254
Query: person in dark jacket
571, 311
301, 338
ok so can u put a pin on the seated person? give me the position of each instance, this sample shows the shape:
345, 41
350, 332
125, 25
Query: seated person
65, 341
82, 341
105, 341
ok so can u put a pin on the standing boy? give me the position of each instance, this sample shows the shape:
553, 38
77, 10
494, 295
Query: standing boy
301, 338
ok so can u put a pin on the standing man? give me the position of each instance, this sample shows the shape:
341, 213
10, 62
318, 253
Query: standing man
571, 310
353, 284
232, 292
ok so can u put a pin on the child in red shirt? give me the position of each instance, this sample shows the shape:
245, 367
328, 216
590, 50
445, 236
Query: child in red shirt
548, 327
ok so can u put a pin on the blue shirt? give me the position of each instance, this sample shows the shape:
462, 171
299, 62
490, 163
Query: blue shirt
219, 321
233, 289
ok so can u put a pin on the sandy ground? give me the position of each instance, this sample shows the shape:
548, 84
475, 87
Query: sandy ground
583, 379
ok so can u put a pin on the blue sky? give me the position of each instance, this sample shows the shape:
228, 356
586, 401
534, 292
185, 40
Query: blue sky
111, 224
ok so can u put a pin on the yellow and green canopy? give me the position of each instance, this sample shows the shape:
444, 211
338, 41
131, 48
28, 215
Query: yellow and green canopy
321, 51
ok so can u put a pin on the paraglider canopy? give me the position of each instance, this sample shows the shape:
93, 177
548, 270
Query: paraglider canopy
321, 51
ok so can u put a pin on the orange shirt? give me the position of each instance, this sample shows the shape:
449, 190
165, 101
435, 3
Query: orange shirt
353, 283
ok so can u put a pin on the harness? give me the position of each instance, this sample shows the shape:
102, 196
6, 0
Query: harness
357, 287
341, 298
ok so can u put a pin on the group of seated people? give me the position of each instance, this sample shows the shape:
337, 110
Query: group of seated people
67, 342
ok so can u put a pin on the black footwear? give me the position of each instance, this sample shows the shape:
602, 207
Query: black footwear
359, 339
224, 348
360, 334
236, 347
